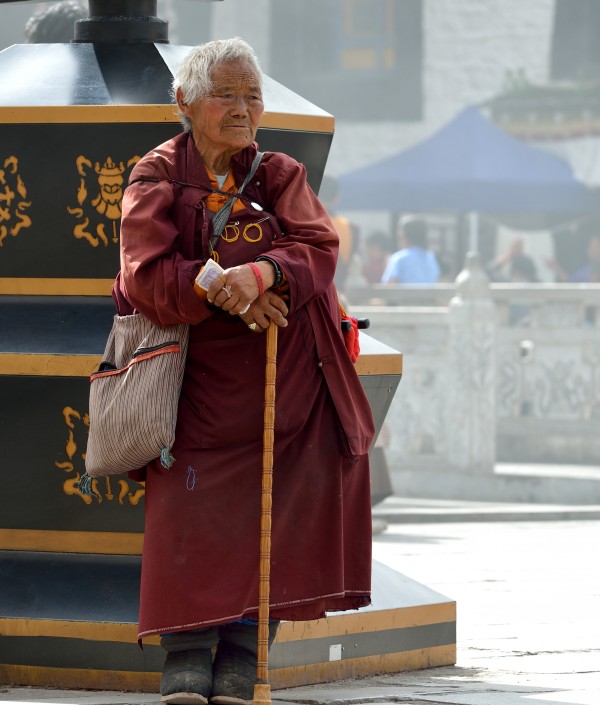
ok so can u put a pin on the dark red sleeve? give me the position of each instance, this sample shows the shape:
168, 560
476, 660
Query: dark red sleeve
156, 279
307, 253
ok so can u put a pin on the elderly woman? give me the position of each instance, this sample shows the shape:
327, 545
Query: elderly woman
199, 587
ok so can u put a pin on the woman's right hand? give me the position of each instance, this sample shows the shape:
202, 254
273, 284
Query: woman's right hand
268, 307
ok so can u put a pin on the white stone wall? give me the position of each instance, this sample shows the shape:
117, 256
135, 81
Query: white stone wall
469, 46
415, 427
474, 385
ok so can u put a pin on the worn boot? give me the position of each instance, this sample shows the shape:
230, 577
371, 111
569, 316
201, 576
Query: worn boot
235, 663
188, 671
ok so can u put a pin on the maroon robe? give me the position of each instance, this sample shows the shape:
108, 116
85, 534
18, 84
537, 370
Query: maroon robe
202, 516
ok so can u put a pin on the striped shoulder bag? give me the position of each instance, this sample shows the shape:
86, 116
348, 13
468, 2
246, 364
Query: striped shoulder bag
134, 397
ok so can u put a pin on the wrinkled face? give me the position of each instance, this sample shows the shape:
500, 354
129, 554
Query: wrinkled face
227, 119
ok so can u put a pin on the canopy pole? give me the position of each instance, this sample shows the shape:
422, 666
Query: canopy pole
473, 231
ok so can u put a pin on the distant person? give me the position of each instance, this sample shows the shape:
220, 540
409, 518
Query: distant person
590, 271
375, 256
414, 263
55, 23
513, 265
348, 232
522, 269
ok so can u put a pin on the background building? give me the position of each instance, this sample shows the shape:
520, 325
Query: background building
392, 72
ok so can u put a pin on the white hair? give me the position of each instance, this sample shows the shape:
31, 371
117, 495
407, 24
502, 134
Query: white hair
193, 75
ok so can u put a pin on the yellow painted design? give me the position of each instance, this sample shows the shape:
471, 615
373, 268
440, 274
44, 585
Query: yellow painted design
132, 498
106, 203
13, 200
74, 449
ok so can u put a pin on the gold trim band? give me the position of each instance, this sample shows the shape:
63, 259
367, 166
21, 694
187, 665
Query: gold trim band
379, 364
55, 287
101, 542
77, 678
41, 365
368, 621
44, 365
94, 631
46, 114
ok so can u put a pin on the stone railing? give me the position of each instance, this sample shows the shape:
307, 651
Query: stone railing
499, 372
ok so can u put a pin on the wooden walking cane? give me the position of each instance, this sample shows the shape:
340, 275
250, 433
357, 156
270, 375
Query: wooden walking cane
262, 690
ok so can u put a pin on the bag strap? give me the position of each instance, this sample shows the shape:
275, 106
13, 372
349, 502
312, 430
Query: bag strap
222, 215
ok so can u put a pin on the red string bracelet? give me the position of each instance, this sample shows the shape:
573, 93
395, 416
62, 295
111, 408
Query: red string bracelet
259, 280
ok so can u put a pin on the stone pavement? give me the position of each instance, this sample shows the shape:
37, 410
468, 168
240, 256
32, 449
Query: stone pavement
526, 579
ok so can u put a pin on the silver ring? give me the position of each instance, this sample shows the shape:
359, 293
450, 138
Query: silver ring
252, 326
227, 290
245, 310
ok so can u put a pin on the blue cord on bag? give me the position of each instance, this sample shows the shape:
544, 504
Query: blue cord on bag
86, 487
166, 459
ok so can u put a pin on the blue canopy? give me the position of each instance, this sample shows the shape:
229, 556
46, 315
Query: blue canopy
468, 165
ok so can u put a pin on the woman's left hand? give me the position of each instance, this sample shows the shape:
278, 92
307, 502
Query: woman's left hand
268, 307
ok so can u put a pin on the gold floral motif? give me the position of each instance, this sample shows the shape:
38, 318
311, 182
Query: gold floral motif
77, 429
13, 217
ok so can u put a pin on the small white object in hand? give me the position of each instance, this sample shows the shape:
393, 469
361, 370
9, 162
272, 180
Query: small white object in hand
208, 274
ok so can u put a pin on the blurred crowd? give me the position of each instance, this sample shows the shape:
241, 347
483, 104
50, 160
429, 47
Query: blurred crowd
407, 256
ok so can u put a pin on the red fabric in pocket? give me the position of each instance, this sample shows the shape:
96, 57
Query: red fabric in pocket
351, 336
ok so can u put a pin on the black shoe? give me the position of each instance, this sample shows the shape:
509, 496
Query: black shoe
234, 675
187, 677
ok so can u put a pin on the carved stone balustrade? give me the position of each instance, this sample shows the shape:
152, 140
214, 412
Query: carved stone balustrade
532, 348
